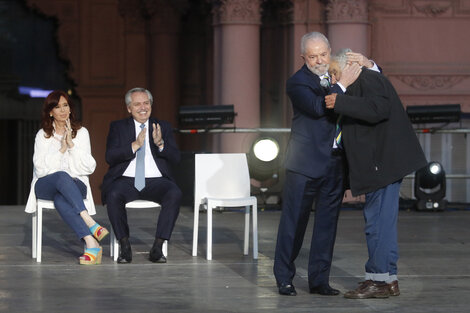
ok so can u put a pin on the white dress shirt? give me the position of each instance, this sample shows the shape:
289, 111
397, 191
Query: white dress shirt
151, 168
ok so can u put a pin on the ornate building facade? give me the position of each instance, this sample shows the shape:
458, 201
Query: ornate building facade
205, 52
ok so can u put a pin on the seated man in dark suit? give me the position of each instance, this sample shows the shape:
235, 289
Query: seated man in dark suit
139, 151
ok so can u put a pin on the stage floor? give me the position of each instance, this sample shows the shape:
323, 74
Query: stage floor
434, 268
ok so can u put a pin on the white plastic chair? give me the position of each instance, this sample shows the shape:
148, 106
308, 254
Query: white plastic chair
223, 180
136, 204
37, 226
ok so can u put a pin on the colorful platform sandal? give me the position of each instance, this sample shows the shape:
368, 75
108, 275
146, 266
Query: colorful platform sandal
91, 256
99, 232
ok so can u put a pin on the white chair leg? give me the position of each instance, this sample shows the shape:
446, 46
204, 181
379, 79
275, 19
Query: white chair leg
34, 227
195, 229
255, 231
247, 230
111, 242
115, 246
165, 248
39, 234
209, 231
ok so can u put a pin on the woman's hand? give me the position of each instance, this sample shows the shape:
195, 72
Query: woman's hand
68, 134
63, 142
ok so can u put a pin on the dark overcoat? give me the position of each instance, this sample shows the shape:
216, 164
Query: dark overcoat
380, 143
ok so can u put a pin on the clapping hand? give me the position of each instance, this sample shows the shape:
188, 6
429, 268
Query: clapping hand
68, 134
157, 135
140, 140
66, 142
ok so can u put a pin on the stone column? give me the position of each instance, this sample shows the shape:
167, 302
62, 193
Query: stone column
237, 67
348, 25
164, 28
304, 16
136, 44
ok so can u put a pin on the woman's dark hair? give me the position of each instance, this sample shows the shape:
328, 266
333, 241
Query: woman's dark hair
50, 103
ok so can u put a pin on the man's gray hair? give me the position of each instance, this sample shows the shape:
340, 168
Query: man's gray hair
312, 36
128, 99
341, 58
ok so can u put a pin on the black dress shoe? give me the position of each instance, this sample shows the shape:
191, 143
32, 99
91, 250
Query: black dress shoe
286, 289
156, 254
125, 252
324, 290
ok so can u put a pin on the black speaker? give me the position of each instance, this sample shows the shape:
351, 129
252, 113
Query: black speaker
203, 115
440, 113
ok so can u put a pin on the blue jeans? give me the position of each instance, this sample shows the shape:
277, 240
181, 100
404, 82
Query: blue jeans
68, 194
381, 215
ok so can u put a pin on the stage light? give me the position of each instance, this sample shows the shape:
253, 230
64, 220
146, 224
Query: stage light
264, 164
263, 159
430, 187
266, 149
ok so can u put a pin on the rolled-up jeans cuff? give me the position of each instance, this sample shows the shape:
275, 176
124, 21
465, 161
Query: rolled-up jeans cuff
377, 276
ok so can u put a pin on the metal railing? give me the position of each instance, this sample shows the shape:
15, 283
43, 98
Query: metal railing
456, 192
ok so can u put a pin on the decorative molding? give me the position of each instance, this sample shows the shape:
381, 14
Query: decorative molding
463, 7
132, 12
431, 82
389, 7
277, 12
432, 9
161, 7
347, 11
237, 11
164, 16
163, 13
299, 11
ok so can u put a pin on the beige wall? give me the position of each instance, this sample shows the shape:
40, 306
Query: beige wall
424, 48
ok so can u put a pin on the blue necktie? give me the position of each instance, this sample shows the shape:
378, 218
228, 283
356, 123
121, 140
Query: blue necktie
338, 131
139, 181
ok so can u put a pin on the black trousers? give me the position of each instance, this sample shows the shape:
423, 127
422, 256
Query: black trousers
299, 193
161, 190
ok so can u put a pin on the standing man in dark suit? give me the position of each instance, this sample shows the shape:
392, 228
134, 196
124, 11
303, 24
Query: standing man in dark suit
314, 169
381, 148
139, 151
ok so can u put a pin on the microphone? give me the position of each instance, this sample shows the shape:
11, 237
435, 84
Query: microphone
324, 83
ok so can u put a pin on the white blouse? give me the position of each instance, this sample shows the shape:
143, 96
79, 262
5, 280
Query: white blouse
77, 162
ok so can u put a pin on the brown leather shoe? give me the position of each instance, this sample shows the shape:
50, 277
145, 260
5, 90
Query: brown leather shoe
394, 290
369, 289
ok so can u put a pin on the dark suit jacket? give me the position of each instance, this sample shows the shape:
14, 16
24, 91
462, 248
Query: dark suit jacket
313, 126
119, 151
380, 143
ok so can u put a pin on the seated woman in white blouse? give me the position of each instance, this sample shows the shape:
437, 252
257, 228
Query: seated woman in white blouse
62, 162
